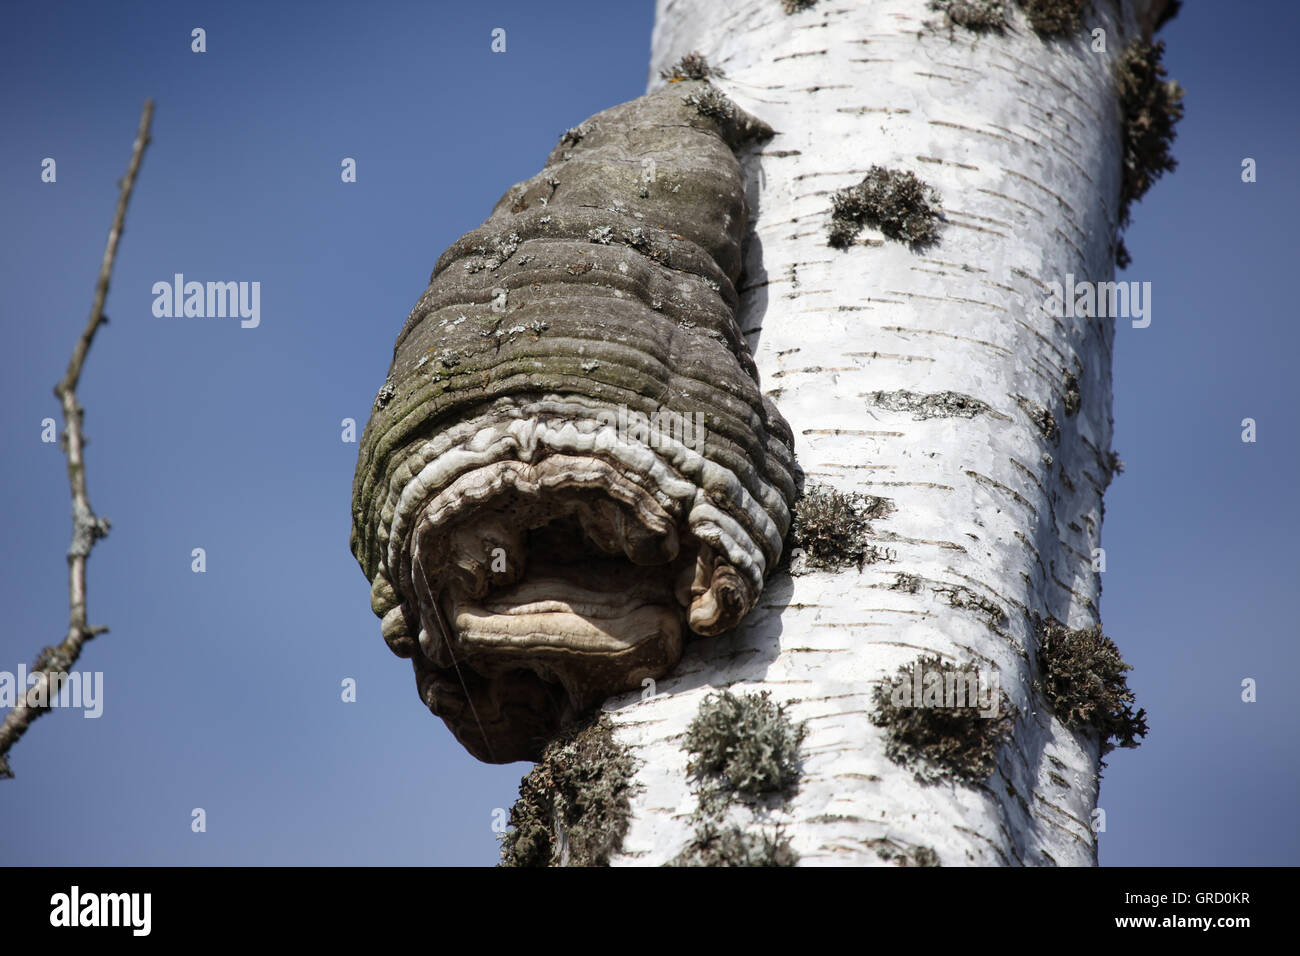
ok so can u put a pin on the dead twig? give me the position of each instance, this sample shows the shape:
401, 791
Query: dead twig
87, 527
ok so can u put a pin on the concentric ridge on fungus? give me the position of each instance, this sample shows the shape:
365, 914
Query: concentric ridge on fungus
530, 548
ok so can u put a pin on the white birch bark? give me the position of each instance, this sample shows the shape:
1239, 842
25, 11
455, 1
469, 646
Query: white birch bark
1021, 137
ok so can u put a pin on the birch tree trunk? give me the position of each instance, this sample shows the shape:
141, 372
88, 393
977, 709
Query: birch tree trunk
998, 495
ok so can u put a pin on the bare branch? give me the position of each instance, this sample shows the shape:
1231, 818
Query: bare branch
87, 527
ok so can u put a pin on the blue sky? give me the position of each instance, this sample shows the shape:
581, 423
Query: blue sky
222, 689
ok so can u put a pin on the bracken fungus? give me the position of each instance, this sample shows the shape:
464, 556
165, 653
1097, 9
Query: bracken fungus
571, 467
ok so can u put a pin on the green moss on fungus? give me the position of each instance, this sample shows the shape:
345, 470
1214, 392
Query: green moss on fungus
573, 805
833, 528
899, 204
692, 66
1083, 681
977, 15
1054, 18
574, 134
711, 103
940, 742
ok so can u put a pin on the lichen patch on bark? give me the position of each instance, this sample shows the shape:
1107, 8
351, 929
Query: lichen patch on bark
833, 529
1151, 107
934, 740
573, 805
1054, 18
1083, 681
899, 204
744, 748
932, 405
976, 15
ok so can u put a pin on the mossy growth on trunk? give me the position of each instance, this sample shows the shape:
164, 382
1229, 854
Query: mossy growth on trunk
1073, 395
748, 741
904, 854
977, 15
929, 405
573, 806
1054, 18
896, 202
733, 845
1082, 678
1042, 418
746, 748
943, 721
692, 66
834, 528
1150, 107
911, 583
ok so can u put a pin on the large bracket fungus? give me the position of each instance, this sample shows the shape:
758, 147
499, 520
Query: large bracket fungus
570, 466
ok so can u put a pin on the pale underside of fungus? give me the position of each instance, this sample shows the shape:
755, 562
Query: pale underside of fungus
570, 467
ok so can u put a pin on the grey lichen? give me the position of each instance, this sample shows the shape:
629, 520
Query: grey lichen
794, 6
932, 405
1043, 419
748, 741
573, 805
1054, 18
1083, 680
743, 747
910, 583
963, 598
573, 135
976, 15
692, 66
936, 737
923, 856
903, 854
1151, 106
1073, 396
715, 845
902, 206
834, 528
1114, 466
